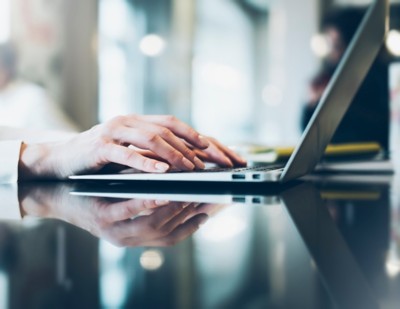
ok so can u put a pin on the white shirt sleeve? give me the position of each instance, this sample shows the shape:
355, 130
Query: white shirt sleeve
9, 203
9, 157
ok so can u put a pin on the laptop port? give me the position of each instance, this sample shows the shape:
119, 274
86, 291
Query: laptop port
256, 200
257, 176
239, 199
238, 176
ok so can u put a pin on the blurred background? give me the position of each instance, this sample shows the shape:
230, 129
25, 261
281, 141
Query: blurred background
240, 70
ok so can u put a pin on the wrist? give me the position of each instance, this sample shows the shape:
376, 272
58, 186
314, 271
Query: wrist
34, 162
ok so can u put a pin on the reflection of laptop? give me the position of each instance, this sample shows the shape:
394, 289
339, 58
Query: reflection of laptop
336, 99
336, 265
119, 191
334, 191
225, 199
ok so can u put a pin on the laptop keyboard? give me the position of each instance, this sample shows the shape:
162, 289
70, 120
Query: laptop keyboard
265, 168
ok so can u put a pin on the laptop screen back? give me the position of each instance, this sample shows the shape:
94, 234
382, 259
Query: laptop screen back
341, 90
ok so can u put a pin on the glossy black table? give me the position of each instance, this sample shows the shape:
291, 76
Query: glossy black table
323, 242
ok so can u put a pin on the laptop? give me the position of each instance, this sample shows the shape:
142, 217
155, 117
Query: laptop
333, 105
330, 190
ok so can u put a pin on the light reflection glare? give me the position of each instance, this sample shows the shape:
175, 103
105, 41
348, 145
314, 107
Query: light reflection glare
113, 61
5, 20
4, 285
113, 18
113, 279
320, 45
224, 228
152, 45
392, 269
221, 75
272, 95
113, 70
393, 261
393, 42
113, 288
151, 260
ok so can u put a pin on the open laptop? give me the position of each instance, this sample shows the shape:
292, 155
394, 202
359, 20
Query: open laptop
333, 105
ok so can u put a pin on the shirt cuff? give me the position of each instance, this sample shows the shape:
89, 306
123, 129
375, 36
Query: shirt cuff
9, 206
9, 158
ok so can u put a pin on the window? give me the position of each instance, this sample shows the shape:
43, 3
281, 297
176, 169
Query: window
5, 20
116, 40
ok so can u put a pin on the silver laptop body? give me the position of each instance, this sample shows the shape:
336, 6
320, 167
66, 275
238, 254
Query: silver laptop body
333, 105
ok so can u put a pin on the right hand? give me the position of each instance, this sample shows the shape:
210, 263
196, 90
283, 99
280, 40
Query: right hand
147, 143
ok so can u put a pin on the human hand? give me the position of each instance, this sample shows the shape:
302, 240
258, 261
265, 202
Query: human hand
122, 222
219, 154
147, 143
133, 223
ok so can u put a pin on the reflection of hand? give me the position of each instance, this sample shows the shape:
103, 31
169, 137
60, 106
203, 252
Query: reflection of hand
123, 225
171, 143
122, 222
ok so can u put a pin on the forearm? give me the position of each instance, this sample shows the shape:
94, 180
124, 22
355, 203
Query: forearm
42, 161
45, 200
31, 162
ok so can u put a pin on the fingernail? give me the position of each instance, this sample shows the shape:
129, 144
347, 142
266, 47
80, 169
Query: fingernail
188, 164
199, 164
204, 141
161, 203
162, 167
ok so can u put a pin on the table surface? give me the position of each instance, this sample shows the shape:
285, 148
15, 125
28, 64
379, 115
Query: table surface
322, 242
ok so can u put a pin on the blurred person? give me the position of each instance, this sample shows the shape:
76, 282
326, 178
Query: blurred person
367, 119
146, 143
25, 104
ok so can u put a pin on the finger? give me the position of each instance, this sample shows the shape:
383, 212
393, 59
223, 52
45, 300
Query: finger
215, 155
164, 215
179, 234
205, 157
180, 218
128, 157
149, 154
209, 155
179, 128
211, 209
186, 229
145, 227
113, 212
176, 142
151, 140
234, 157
